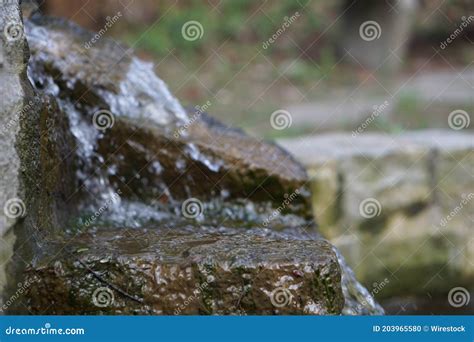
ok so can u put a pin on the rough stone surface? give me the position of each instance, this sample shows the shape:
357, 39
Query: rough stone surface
374, 165
153, 139
151, 272
12, 104
453, 157
325, 187
97, 187
421, 237
35, 152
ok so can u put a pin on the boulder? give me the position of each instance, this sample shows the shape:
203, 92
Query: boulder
154, 151
374, 166
12, 102
113, 168
35, 154
398, 207
35, 158
185, 272
453, 162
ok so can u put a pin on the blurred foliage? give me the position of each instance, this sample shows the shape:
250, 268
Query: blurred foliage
242, 22
247, 82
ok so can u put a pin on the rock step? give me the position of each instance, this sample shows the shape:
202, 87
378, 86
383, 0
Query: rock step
399, 207
180, 271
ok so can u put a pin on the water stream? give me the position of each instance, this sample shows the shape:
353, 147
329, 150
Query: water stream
131, 92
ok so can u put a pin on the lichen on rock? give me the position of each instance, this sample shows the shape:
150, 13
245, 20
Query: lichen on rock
111, 161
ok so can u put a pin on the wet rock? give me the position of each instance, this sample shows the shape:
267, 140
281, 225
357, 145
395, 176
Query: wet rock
369, 166
182, 272
155, 152
108, 155
419, 234
357, 299
35, 151
11, 103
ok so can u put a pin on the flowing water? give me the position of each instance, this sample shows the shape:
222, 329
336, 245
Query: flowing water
110, 81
